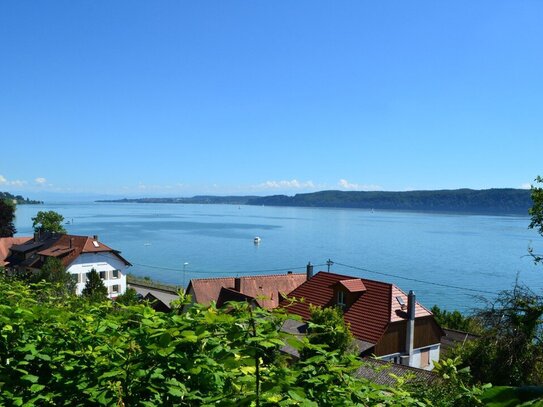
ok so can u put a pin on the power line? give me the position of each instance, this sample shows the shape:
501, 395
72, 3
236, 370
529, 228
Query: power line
191, 271
417, 280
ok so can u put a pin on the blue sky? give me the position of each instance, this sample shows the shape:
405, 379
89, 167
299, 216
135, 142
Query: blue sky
176, 98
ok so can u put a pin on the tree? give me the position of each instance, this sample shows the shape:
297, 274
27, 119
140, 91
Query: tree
94, 289
130, 297
455, 320
54, 272
510, 349
536, 211
48, 221
7, 216
327, 328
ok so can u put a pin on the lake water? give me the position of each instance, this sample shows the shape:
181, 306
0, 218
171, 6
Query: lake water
479, 254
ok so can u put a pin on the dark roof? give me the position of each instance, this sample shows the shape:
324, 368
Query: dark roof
228, 294
453, 338
370, 313
6, 243
380, 372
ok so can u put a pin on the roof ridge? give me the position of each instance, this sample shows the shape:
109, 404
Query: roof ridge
253, 276
353, 278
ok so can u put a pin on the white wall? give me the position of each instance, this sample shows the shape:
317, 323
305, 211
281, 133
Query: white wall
416, 358
434, 356
100, 262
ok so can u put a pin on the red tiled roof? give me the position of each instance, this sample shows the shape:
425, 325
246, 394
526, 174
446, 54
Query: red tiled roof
368, 316
396, 312
354, 285
68, 247
266, 289
5, 245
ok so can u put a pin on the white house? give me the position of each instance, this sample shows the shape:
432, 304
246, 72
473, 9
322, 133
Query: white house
79, 254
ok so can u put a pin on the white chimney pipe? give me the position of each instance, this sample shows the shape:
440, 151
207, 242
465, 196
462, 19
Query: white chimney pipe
410, 334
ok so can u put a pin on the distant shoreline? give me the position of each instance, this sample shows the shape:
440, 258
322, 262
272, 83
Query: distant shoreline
487, 201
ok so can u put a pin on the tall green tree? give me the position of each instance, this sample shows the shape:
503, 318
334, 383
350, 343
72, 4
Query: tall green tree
94, 289
48, 221
54, 272
536, 211
7, 218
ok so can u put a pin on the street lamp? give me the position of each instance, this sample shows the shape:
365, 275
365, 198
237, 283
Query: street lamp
185, 264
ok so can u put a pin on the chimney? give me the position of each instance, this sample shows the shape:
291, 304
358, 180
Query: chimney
237, 284
95, 237
36, 236
410, 333
309, 270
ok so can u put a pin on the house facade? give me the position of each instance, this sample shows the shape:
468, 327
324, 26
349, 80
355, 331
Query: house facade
78, 254
385, 321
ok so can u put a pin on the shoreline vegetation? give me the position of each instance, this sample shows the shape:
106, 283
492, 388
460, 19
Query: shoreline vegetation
496, 200
18, 199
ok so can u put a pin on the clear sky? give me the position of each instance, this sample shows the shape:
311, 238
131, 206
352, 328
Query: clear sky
176, 98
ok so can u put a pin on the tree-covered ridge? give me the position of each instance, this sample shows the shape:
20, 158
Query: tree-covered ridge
18, 199
506, 200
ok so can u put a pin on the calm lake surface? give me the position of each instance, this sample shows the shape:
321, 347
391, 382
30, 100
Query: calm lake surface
473, 252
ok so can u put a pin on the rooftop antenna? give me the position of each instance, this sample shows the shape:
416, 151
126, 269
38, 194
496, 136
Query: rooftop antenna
329, 263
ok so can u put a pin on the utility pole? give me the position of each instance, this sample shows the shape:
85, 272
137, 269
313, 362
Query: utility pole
185, 264
329, 263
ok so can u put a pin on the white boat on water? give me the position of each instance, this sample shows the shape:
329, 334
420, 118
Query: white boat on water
257, 240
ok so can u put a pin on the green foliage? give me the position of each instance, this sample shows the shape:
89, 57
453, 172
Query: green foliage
327, 327
94, 289
77, 353
455, 320
54, 272
510, 351
452, 389
18, 199
48, 221
7, 217
129, 297
536, 212
504, 396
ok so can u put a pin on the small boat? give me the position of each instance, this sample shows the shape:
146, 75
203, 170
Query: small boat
257, 240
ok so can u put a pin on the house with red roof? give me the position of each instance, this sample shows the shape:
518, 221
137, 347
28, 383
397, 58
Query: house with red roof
79, 254
265, 291
384, 320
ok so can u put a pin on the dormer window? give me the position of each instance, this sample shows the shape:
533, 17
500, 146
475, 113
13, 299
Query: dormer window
341, 299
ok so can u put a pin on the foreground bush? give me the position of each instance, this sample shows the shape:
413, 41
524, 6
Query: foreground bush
69, 351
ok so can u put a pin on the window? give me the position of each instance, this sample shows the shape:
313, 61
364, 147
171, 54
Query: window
424, 358
115, 274
103, 275
115, 288
341, 298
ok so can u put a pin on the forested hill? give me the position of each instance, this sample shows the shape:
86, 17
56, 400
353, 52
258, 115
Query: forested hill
505, 200
18, 199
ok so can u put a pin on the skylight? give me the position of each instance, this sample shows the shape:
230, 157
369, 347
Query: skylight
95, 243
